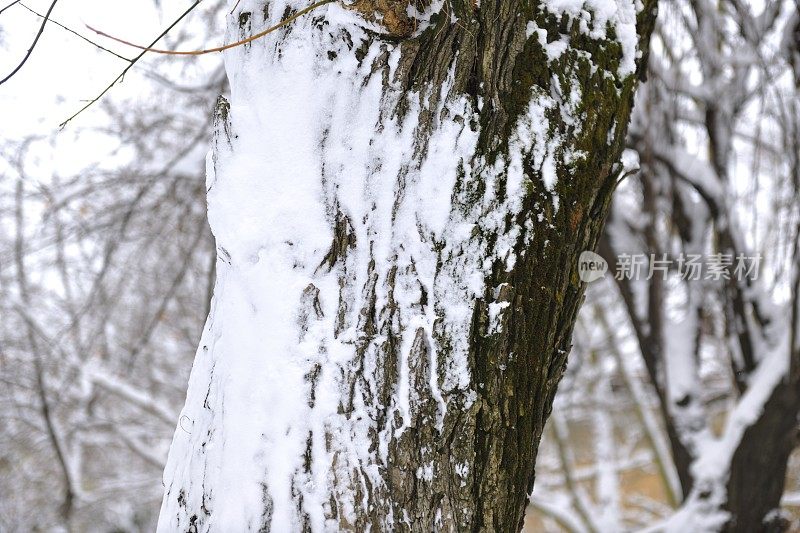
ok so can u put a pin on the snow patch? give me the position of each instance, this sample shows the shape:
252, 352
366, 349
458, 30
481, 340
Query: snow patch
620, 14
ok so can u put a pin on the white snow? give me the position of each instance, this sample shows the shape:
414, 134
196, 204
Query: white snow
495, 311
554, 49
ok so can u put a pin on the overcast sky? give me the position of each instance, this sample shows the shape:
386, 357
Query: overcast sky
63, 69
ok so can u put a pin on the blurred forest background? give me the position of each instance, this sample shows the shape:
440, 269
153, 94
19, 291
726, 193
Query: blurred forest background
107, 268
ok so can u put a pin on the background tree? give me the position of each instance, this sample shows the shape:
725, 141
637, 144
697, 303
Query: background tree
105, 269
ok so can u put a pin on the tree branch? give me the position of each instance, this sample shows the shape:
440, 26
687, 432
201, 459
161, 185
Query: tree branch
33, 45
132, 62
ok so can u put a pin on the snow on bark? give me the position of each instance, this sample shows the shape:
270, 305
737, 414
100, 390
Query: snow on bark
603, 14
358, 224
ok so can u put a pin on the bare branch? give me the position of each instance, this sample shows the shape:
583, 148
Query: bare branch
33, 45
218, 48
132, 63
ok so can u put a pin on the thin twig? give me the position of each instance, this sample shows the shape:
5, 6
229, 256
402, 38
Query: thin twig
33, 45
218, 48
76, 33
12, 4
132, 62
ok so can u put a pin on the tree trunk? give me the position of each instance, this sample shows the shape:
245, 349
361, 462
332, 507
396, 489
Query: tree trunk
758, 467
399, 196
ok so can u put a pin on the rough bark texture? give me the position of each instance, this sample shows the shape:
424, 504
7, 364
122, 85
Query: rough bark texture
518, 369
461, 458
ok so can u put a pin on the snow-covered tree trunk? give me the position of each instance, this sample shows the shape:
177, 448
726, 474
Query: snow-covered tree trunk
399, 194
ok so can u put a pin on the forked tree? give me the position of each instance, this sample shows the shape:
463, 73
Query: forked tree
691, 204
399, 194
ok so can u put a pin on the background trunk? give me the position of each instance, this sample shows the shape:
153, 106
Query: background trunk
398, 212
758, 467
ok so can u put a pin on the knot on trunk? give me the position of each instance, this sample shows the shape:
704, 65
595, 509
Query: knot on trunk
394, 15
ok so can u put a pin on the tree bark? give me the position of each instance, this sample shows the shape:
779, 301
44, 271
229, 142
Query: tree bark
758, 467
395, 298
